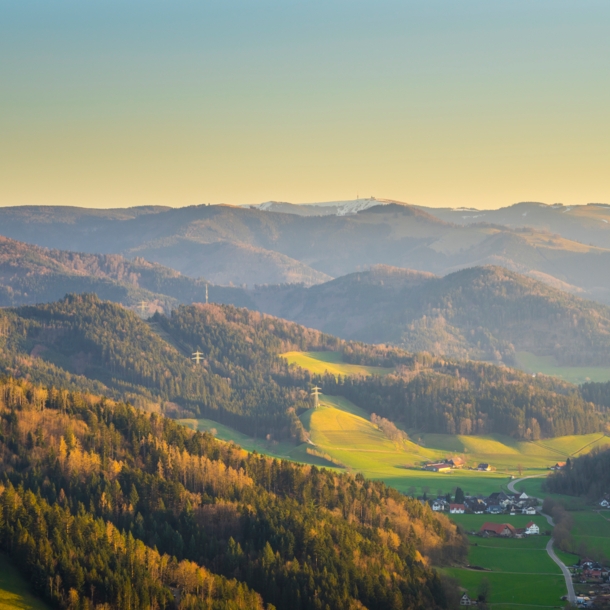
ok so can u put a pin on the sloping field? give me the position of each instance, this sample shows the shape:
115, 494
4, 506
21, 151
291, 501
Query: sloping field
331, 362
592, 529
343, 431
548, 366
14, 589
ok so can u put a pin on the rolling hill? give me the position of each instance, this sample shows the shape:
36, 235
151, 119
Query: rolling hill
244, 379
588, 224
484, 313
31, 274
287, 247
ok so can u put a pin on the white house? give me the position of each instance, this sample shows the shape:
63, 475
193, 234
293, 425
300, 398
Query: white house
530, 510
532, 528
465, 601
457, 509
604, 503
438, 505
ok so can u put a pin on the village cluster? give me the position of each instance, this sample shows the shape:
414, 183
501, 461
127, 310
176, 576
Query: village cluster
497, 503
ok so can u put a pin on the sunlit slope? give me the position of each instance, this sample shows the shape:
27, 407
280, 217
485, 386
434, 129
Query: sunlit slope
343, 431
331, 362
15, 592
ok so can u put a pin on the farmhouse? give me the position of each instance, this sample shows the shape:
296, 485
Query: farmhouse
506, 530
530, 510
531, 528
438, 467
465, 600
439, 505
485, 467
457, 509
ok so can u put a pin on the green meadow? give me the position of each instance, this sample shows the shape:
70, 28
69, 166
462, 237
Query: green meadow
592, 529
519, 571
344, 431
14, 590
331, 362
548, 366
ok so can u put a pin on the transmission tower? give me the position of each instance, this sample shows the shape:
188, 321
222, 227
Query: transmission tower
143, 306
206, 294
197, 356
315, 392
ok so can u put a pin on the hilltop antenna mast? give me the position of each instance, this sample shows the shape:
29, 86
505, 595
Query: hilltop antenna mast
315, 392
206, 293
197, 356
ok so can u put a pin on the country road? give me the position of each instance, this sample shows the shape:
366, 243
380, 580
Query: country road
549, 547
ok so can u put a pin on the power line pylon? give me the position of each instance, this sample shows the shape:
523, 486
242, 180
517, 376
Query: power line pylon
315, 392
143, 306
197, 356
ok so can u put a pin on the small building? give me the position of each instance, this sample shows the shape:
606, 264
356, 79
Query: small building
456, 462
465, 600
529, 510
495, 509
484, 467
558, 466
438, 467
438, 505
505, 530
604, 504
457, 509
531, 528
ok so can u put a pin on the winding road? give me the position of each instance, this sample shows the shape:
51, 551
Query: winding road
549, 547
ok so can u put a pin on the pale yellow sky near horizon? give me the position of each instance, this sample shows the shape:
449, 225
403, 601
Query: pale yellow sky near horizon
438, 104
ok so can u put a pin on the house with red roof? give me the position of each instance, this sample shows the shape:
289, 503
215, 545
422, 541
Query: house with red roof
506, 530
531, 528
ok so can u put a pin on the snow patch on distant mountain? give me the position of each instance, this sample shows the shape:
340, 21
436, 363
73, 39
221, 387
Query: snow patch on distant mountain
324, 208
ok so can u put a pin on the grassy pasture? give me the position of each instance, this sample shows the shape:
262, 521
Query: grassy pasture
512, 590
345, 432
474, 522
593, 529
514, 560
14, 589
548, 366
332, 362
284, 450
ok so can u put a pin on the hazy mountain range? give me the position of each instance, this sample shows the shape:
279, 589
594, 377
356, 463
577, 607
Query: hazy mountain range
486, 313
241, 245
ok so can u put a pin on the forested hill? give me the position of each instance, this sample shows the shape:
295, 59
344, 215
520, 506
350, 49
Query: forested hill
252, 246
482, 313
83, 343
30, 274
105, 506
587, 475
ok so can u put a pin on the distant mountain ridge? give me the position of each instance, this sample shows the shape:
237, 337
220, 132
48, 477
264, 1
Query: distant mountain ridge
248, 246
484, 313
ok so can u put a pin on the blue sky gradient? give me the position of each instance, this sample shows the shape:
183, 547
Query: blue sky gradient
438, 103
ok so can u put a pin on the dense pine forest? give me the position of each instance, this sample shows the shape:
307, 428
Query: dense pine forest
587, 475
83, 343
106, 506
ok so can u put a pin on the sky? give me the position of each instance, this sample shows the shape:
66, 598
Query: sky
478, 103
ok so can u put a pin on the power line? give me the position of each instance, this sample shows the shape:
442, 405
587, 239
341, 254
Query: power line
315, 392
